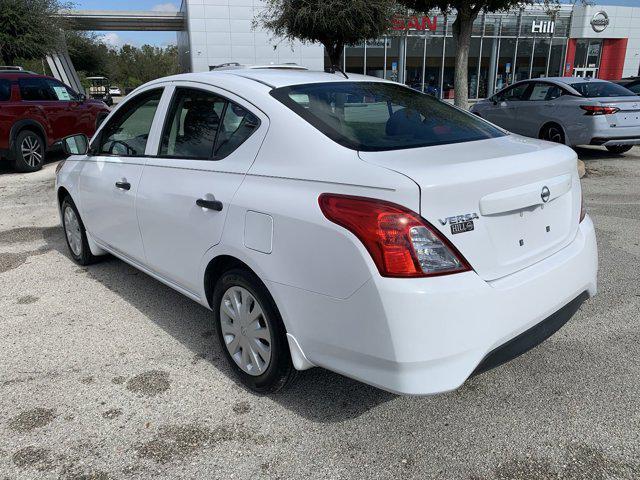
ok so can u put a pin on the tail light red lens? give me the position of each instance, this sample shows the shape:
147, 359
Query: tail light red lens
583, 208
599, 110
401, 243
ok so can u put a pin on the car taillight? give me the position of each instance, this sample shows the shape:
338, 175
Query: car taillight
401, 243
599, 110
583, 208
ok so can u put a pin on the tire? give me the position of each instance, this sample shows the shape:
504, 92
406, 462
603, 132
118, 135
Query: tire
553, 133
28, 151
619, 149
75, 233
261, 372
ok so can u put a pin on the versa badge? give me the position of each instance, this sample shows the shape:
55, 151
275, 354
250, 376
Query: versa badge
460, 223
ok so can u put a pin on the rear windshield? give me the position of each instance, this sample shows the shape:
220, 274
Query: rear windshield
601, 89
375, 116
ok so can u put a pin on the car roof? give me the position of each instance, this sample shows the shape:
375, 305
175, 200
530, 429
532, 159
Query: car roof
14, 75
274, 77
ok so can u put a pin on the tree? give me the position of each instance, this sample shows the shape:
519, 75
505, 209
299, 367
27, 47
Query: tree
88, 53
29, 29
466, 13
334, 23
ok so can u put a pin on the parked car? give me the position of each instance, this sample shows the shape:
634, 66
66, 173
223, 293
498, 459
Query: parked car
36, 112
631, 83
352, 224
115, 91
569, 110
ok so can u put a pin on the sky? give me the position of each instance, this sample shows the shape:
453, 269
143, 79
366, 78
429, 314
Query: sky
118, 39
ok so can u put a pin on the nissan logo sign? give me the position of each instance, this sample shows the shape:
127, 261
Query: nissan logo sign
546, 194
600, 21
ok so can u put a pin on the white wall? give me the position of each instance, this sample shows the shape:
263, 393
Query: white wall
221, 31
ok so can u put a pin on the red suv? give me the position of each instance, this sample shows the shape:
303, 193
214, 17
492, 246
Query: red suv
36, 112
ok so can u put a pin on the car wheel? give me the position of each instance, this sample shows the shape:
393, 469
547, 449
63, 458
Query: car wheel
553, 133
75, 233
619, 149
28, 151
251, 333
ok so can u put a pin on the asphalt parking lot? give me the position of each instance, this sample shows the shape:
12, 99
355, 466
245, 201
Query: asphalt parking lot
106, 373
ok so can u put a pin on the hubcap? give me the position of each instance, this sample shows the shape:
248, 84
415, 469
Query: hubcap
31, 150
72, 230
245, 330
555, 135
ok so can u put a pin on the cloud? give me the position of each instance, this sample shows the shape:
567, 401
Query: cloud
164, 7
111, 39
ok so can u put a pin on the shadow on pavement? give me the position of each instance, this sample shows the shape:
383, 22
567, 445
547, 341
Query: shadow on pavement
318, 395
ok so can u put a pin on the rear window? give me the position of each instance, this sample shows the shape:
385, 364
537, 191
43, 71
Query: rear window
375, 116
5, 90
34, 89
601, 89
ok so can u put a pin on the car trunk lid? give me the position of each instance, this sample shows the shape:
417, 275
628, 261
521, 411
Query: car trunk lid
522, 197
628, 114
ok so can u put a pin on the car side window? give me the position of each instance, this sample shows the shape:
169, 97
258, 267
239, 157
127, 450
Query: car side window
127, 132
61, 91
237, 125
192, 123
514, 93
205, 126
635, 88
542, 91
35, 89
5, 90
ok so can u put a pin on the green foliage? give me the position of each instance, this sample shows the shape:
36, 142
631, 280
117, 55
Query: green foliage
334, 23
29, 29
127, 67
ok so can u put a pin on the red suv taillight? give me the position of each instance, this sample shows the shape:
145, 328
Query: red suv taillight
401, 243
599, 110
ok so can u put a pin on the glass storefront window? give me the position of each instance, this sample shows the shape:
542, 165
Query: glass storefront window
474, 60
433, 65
556, 61
505, 62
449, 68
505, 47
523, 59
395, 58
540, 57
375, 57
414, 63
354, 59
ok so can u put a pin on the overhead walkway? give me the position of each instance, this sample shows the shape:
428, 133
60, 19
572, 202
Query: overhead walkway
125, 20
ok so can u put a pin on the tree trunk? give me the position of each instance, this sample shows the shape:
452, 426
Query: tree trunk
334, 51
462, 28
7, 58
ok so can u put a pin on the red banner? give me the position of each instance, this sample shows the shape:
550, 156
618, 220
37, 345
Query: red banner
414, 23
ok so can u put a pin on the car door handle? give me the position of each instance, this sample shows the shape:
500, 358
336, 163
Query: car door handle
209, 204
123, 185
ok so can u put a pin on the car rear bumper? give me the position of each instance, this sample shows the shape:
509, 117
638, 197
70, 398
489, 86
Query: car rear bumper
425, 336
612, 141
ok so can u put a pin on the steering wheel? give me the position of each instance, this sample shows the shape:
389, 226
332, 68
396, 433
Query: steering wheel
127, 149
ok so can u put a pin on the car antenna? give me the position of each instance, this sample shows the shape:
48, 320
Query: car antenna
335, 67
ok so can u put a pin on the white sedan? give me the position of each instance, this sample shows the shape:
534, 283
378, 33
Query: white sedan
350, 224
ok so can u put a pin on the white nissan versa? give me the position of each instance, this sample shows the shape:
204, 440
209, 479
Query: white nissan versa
351, 224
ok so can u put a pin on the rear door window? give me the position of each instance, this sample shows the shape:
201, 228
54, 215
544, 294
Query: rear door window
36, 89
542, 91
377, 116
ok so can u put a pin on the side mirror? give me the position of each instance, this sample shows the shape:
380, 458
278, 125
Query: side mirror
75, 144
82, 97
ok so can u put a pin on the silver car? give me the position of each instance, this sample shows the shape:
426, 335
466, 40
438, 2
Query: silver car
569, 110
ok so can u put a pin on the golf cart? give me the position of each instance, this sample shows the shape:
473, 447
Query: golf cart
99, 89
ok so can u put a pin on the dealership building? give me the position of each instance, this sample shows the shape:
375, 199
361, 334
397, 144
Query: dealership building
582, 40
